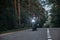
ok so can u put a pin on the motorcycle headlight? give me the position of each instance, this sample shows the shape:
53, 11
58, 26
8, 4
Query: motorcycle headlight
33, 20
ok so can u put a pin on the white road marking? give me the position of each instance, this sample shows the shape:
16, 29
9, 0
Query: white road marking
48, 34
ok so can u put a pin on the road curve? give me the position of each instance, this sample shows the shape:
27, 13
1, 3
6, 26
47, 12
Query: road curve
40, 34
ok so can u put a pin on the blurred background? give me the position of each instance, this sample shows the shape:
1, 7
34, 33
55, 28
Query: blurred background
18, 14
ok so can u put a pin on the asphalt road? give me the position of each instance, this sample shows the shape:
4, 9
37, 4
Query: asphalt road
40, 34
55, 33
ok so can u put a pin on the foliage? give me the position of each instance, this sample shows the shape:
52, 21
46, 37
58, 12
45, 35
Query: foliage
55, 21
30, 7
7, 16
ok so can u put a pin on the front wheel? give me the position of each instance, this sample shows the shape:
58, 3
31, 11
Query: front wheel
34, 29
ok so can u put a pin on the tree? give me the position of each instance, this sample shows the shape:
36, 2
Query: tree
7, 16
55, 21
30, 7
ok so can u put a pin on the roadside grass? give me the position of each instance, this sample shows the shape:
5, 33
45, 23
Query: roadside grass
15, 30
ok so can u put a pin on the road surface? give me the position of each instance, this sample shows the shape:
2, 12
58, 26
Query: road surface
40, 34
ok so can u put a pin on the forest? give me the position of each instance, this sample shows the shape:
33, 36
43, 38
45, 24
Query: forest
16, 14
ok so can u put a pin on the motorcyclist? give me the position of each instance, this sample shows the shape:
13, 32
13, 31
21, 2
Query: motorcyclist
34, 23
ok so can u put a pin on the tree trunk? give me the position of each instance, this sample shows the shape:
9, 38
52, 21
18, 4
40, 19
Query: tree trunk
19, 11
